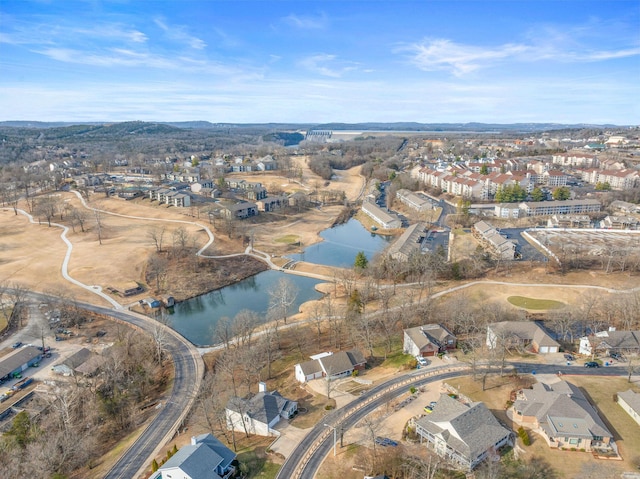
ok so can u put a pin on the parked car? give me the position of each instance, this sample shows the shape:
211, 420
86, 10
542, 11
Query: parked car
591, 364
385, 441
16, 344
569, 357
422, 361
616, 356
428, 409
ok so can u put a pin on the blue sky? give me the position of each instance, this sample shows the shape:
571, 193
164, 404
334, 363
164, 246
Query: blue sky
307, 61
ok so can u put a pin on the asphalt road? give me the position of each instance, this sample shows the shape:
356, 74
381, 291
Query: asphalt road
306, 458
188, 372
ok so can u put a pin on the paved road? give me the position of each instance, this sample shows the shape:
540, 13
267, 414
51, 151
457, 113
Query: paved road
306, 458
188, 373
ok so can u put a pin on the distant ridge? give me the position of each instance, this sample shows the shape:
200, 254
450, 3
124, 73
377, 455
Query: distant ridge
368, 126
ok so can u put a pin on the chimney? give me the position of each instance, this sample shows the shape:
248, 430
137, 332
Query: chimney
262, 387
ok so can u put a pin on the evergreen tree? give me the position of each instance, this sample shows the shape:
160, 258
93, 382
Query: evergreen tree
537, 194
561, 193
484, 170
361, 261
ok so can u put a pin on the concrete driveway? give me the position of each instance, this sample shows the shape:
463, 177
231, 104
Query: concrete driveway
289, 437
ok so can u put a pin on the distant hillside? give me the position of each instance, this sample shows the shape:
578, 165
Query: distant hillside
133, 127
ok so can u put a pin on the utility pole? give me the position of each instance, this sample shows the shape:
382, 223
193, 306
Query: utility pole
334, 438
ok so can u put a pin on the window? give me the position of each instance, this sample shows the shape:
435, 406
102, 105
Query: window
574, 441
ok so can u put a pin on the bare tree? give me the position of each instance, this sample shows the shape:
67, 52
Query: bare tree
243, 325
281, 297
156, 235
99, 224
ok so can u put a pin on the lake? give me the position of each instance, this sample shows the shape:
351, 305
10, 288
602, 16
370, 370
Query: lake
342, 243
196, 318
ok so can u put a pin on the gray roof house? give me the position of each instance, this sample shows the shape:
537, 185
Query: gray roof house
260, 413
526, 334
428, 340
332, 365
605, 342
465, 434
630, 402
561, 414
410, 242
205, 458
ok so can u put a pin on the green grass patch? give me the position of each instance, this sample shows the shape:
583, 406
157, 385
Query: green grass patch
396, 360
288, 239
533, 303
256, 464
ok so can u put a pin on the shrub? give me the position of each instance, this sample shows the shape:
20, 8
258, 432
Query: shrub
328, 407
412, 390
154, 466
524, 436
354, 373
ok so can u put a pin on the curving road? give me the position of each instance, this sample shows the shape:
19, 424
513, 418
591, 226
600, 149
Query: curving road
305, 460
188, 374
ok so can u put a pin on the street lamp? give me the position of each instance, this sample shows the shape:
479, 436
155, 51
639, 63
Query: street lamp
334, 438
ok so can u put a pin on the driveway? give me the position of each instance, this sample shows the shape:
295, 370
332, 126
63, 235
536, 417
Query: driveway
290, 437
319, 386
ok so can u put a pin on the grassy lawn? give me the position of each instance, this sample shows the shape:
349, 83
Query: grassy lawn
257, 462
533, 303
288, 239
397, 360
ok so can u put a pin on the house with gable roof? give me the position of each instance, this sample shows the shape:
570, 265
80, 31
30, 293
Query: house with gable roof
465, 434
561, 414
630, 402
331, 365
524, 334
611, 341
428, 340
260, 413
205, 458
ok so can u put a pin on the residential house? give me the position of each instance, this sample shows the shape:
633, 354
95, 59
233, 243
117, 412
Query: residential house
524, 334
199, 185
331, 365
620, 223
272, 203
241, 210
630, 402
409, 243
413, 201
569, 221
465, 434
205, 458
428, 340
611, 341
260, 413
489, 237
381, 216
507, 210
561, 414
625, 207
266, 163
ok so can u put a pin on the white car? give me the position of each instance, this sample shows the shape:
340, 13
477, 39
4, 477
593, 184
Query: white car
422, 361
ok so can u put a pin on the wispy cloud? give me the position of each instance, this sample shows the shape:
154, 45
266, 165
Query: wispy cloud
179, 33
461, 59
306, 22
327, 65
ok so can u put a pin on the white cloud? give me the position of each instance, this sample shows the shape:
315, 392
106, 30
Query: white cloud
461, 59
179, 34
307, 22
326, 65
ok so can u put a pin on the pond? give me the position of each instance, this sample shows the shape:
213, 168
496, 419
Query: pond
342, 243
196, 318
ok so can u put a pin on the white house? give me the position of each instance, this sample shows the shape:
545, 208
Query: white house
259, 414
332, 365
630, 402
